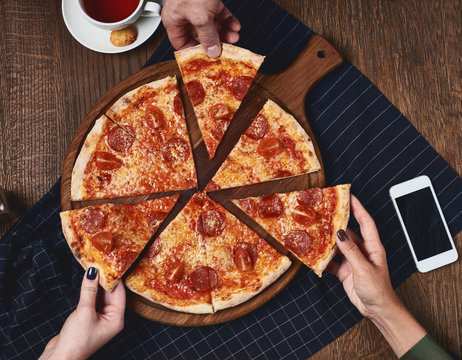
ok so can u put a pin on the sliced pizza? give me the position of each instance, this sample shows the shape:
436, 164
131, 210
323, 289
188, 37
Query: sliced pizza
153, 113
245, 264
274, 146
174, 271
112, 163
110, 237
305, 222
216, 86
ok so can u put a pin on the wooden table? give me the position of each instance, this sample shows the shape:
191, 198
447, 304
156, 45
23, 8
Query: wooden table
409, 49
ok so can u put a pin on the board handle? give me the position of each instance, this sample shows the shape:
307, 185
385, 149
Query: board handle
315, 61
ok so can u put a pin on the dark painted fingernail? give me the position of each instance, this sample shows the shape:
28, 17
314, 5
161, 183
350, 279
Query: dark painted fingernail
342, 235
91, 273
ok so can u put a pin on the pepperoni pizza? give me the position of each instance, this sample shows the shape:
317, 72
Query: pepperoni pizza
305, 222
110, 237
216, 87
274, 146
206, 260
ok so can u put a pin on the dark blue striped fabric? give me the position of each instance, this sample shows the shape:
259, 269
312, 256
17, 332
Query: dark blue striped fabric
364, 140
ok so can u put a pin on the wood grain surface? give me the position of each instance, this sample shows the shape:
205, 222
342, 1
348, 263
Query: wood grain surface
409, 49
262, 89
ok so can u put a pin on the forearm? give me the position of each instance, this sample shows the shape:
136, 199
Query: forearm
399, 327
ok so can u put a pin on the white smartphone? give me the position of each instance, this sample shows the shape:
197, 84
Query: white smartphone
423, 223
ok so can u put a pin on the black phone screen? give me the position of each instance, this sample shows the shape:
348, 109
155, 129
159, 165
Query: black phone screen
423, 223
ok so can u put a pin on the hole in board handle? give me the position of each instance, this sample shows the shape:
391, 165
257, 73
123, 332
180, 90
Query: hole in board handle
321, 54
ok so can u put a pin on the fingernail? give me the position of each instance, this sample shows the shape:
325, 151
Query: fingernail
341, 234
213, 51
91, 273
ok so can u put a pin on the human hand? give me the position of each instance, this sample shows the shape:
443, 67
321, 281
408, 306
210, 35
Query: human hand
364, 275
86, 330
189, 22
364, 270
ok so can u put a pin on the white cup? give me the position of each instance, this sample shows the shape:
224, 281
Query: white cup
144, 8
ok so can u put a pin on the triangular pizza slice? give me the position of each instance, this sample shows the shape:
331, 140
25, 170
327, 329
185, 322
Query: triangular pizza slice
216, 86
305, 222
112, 163
274, 146
153, 113
245, 264
174, 271
110, 237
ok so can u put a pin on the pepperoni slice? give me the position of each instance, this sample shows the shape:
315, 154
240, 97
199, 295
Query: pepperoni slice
175, 272
197, 64
119, 139
92, 220
310, 197
196, 92
204, 278
298, 241
219, 128
219, 111
107, 161
257, 130
175, 149
154, 117
239, 86
155, 218
242, 260
249, 206
103, 241
270, 206
269, 147
304, 215
178, 104
282, 174
127, 259
213, 222
155, 249
251, 249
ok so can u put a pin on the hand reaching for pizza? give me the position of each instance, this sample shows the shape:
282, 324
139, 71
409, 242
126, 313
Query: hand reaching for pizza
86, 330
189, 22
364, 275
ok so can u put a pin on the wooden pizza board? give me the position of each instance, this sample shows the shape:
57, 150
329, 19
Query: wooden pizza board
288, 89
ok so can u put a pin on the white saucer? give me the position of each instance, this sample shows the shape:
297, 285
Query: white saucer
97, 39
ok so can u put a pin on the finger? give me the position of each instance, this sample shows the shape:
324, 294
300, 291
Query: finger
179, 36
208, 35
228, 19
117, 297
89, 289
351, 251
369, 232
229, 36
333, 268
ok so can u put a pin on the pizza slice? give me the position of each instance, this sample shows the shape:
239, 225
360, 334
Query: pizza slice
305, 222
274, 146
174, 271
244, 263
216, 86
112, 163
153, 113
110, 237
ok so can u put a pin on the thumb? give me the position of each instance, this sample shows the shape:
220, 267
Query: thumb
209, 38
350, 250
89, 289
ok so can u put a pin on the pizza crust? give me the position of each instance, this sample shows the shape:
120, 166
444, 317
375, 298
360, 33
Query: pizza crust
74, 244
126, 99
239, 298
228, 51
201, 308
340, 221
88, 148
